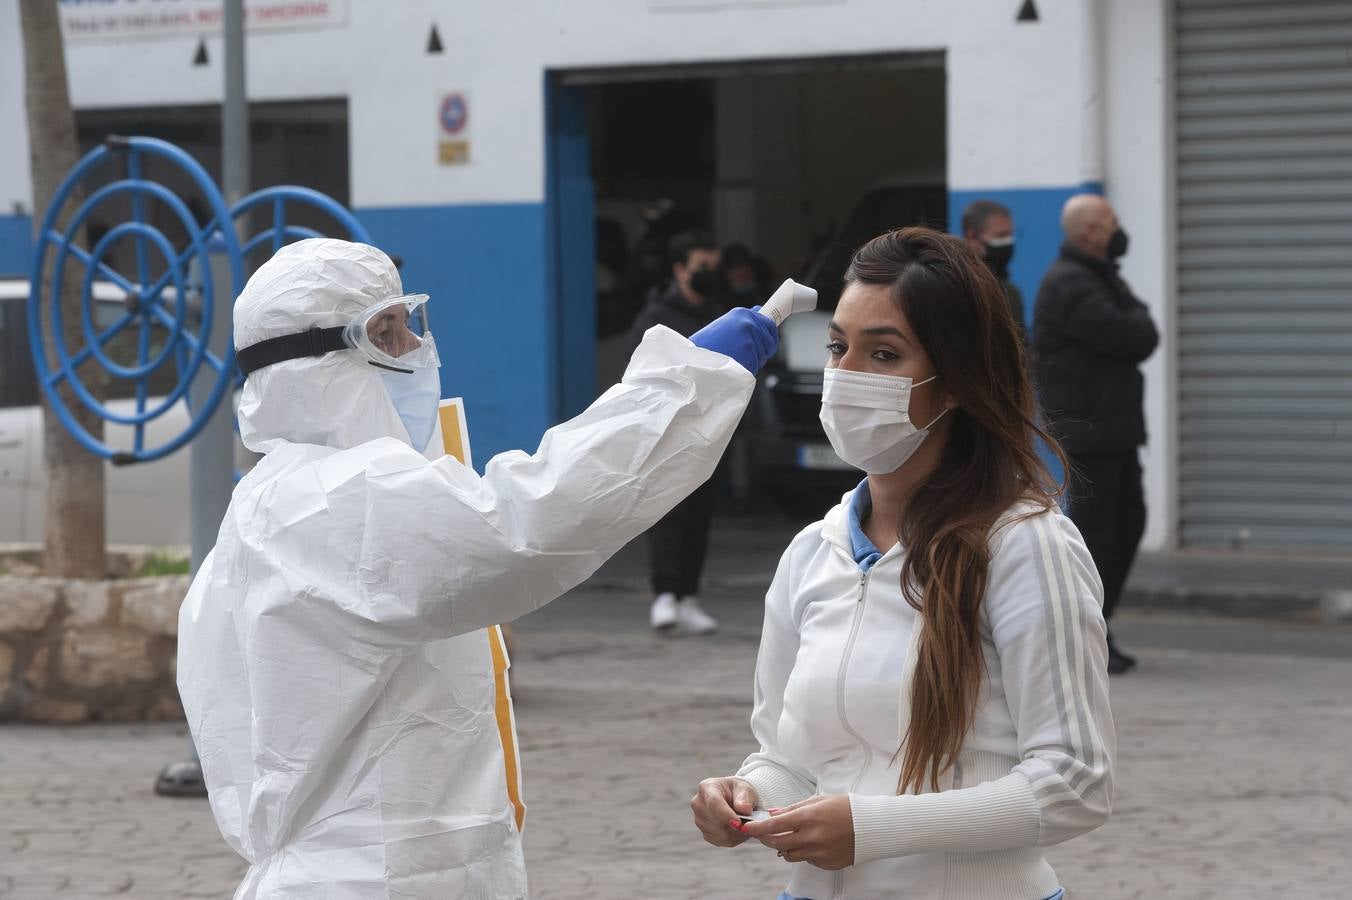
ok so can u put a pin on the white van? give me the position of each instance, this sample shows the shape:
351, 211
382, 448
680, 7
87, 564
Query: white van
147, 502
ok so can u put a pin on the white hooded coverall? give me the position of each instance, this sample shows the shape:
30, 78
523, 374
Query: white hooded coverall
333, 658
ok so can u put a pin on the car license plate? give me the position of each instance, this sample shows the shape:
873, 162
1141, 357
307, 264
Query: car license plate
820, 456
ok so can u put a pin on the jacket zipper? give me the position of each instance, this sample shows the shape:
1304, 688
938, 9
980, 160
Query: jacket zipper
838, 891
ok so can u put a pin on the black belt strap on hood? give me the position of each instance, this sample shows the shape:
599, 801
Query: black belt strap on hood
314, 342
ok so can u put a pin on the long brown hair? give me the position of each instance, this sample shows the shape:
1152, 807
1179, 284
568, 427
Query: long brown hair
958, 311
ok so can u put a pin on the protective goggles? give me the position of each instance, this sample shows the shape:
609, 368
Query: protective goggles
392, 335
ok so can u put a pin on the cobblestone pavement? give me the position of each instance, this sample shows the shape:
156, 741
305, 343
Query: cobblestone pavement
1232, 779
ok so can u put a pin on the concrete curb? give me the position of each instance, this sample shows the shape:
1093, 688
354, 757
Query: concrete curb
1259, 602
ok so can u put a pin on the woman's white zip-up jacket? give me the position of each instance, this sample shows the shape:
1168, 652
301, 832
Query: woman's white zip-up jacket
832, 701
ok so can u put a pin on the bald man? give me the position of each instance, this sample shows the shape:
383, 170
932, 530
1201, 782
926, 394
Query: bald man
1090, 335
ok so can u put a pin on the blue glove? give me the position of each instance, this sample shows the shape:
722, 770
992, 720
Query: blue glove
744, 334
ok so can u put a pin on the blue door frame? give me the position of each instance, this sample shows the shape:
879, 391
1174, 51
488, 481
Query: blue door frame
570, 216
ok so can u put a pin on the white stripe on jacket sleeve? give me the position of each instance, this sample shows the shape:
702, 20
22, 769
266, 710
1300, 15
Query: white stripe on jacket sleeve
1044, 606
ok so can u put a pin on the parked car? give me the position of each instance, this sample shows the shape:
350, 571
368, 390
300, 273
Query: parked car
147, 503
792, 462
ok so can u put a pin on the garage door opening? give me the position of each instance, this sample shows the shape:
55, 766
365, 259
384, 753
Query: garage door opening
798, 161
789, 159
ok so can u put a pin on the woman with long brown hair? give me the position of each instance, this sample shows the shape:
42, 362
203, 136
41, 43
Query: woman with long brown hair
931, 696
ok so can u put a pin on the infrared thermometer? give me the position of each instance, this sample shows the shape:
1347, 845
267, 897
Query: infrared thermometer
790, 297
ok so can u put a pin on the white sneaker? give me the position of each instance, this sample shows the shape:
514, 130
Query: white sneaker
694, 620
664, 612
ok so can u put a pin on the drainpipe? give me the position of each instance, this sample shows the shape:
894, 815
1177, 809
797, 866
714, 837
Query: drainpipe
1093, 120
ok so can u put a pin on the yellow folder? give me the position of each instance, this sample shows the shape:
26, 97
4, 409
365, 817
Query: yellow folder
454, 431
455, 440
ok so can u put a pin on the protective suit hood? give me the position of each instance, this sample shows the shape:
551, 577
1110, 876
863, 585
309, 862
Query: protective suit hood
337, 400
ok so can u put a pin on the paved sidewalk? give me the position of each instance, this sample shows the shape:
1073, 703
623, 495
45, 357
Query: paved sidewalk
1232, 777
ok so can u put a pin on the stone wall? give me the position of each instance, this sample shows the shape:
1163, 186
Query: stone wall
84, 651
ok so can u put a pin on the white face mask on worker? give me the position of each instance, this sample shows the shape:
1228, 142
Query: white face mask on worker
867, 419
416, 396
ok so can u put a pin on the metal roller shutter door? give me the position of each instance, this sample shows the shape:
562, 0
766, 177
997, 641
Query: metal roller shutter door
1264, 110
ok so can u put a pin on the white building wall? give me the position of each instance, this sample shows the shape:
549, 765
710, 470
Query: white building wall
1140, 183
1012, 86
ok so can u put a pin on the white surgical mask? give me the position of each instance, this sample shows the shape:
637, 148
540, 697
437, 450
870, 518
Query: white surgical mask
867, 419
416, 396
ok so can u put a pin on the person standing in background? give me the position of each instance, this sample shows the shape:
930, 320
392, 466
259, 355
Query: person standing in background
746, 275
1090, 335
988, 227
678, 543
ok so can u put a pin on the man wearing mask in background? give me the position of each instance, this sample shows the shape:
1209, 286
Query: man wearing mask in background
989, 230
1090, 334
677, 544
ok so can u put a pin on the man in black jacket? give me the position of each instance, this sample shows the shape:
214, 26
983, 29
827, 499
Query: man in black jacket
1090, 334
678, 543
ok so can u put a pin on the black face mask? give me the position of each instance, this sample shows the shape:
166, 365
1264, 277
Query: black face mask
1117, 244
705, 282
998, 257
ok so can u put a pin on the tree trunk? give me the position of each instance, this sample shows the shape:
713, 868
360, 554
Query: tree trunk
75, 526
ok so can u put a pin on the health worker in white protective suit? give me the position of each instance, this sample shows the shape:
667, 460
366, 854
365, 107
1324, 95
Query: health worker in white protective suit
338, 662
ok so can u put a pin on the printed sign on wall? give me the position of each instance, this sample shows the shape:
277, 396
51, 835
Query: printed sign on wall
110, 20
453, 129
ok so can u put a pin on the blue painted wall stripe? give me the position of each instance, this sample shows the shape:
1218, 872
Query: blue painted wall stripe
16, 245
485, 268
571, 199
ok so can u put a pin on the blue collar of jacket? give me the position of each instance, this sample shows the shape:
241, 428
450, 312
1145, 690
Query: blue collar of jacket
865, 554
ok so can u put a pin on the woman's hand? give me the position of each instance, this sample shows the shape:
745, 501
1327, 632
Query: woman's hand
819, 830
716, 805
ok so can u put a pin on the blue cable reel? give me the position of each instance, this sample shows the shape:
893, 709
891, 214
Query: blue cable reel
157, 297
179, 300
279, 232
